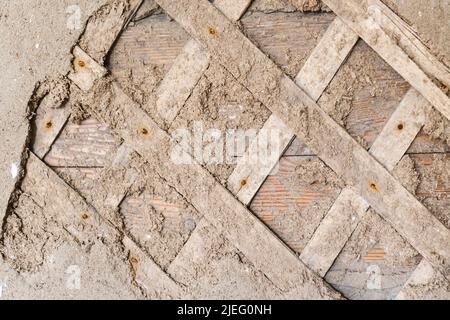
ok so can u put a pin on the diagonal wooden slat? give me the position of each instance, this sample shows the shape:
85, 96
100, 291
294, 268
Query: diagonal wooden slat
314, 77
372, 23
333, 145
348, 209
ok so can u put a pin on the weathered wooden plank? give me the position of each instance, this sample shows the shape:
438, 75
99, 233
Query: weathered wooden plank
86, 70
295, 198
409, 41
333, 145
47, 125
285, 37
326, 58
375, 262
347, 211
104, 27
181, 79
210, 198
233, 9
252, 169
100, 34
314, 77
212, 268
371, 24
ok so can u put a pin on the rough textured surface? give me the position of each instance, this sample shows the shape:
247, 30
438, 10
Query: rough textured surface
42, 53
288, 6
218, 102
430, 20
294, 201
117, 218
51, 232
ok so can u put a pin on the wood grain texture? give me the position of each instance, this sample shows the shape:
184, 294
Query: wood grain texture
284, 36
326, 59
334, 230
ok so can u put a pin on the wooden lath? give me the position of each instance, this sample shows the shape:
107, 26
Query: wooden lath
348, 209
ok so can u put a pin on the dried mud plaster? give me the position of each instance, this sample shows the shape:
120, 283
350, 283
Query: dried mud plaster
43, 52
374, 248
52, 225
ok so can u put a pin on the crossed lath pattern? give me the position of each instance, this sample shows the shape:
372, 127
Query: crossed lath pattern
295, 113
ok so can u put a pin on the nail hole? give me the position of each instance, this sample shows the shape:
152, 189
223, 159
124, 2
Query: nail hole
400, 126
373, 187
84, 216
243, 182
81, 64
212, 31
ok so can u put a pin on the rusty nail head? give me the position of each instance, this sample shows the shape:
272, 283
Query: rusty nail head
212, 31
